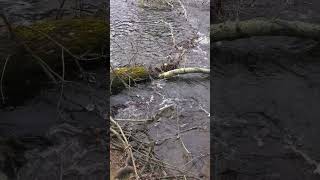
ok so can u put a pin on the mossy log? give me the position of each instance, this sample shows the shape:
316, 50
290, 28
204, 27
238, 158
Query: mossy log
263, 27
77, 35
80, 39
127, 76
47, 39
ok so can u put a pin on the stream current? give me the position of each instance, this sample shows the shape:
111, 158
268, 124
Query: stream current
144, 35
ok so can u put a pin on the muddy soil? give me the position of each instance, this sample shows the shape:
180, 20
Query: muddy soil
265, 99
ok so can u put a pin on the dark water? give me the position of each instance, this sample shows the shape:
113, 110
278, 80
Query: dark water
141, 35
266, 109
266, 98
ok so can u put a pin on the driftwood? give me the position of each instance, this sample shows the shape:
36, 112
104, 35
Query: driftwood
175, 72
263, 27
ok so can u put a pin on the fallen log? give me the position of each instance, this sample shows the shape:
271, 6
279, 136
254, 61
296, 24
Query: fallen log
80, 39
263, 27
175, 72
47, 49
124, 77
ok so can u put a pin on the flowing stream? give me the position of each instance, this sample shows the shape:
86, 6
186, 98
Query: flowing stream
143, 35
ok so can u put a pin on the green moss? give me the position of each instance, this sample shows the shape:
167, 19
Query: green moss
77, 35
127, 76
134, 73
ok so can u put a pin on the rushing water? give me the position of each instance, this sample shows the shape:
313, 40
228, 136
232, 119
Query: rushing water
143, 35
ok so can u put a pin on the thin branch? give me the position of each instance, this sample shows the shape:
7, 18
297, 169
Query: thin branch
184, 9
60, 11
134, 120
6, 21
62, 82
1, 80
128, 146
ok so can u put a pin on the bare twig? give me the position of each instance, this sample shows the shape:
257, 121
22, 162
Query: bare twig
171, 32
60, 11
6, 21
184, 9
128, 146
134, 120
62, 82
1, 80
307, 158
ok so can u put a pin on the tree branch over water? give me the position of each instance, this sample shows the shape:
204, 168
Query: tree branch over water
263, 27
175, 72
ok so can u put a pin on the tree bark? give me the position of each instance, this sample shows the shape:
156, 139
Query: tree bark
175, 72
